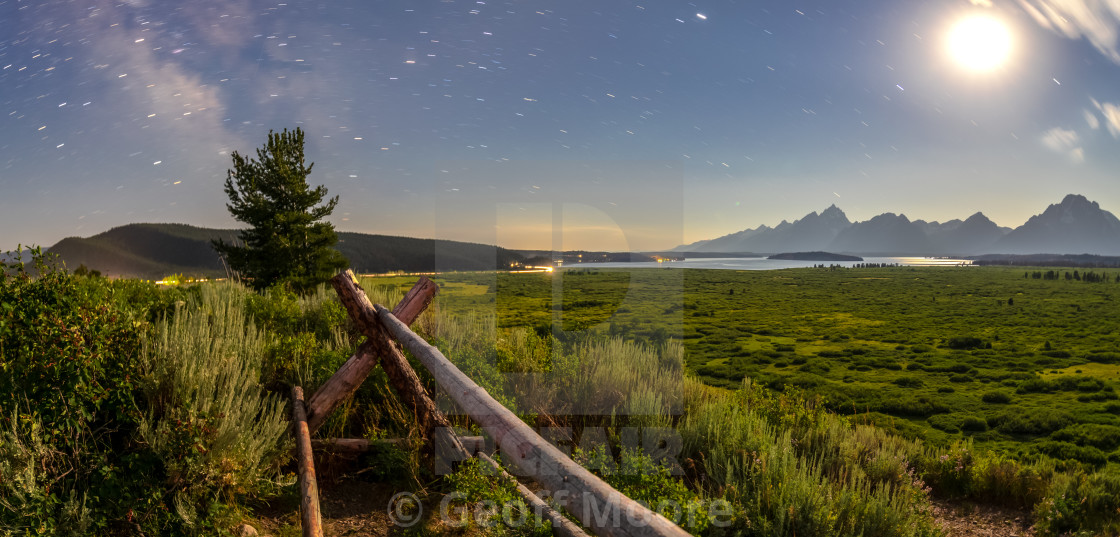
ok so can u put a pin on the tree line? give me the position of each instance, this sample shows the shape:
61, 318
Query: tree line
1088, 276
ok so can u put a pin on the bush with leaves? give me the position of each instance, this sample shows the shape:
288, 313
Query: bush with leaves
68, 362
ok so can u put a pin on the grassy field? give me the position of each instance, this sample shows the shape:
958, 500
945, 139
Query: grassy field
1022, 365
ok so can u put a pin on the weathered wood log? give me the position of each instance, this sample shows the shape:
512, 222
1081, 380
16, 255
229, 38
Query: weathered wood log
561, 526
473, 444
349, 377
596, 504
431, 422
310, 518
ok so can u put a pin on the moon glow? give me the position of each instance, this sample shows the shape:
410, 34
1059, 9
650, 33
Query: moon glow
979, 43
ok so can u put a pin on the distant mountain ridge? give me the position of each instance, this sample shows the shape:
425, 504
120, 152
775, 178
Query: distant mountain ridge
1074, 226
155, 250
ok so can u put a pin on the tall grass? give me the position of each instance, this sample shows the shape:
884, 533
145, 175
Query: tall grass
217, 432
797, 470
593, 378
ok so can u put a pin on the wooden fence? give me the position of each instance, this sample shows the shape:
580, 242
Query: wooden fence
597, 505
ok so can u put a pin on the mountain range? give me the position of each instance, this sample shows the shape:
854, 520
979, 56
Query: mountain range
1074, 226
152, 251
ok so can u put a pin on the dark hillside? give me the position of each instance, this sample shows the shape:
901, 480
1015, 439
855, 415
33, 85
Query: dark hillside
147, 251
384, 253
152, 251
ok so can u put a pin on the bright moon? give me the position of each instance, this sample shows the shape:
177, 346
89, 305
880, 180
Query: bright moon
979, 43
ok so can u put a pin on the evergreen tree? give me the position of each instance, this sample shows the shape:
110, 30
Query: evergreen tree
287, 243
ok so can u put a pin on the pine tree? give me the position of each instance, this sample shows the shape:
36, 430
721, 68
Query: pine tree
287, 243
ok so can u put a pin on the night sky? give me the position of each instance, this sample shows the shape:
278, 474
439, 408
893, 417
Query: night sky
628, 125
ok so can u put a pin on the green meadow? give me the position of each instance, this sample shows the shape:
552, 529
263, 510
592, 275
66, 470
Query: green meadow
810, 401
1022, 365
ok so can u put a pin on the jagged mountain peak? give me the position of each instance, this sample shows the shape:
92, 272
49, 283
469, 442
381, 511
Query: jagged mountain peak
978, 217
889, 217
834, 213
1076, 225
1078, 199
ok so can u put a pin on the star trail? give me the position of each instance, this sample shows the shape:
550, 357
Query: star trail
470, 119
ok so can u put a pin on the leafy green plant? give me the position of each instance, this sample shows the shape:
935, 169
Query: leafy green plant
68, 363
492, 503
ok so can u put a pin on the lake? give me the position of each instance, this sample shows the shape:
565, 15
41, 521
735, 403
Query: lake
761, 263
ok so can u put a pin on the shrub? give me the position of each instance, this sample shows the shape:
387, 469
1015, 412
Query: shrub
69, 361
1106, 437
908, 382
974, 423
1033, 422
949, 423
950, 472
996, 398
1082, 504
912, 406
1073, 452
209, 422
1011, 483
964, 342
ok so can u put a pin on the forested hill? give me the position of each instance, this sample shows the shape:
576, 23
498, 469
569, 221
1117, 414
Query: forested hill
155, 250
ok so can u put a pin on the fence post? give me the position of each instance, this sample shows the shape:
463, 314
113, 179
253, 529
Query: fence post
310, 518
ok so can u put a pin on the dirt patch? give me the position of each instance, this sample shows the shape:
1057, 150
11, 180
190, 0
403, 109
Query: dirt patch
349, 507
969, 520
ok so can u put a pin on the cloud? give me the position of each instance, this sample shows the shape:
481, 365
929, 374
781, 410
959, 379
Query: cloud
1111, 113
981, 3
1064, 141
1098, 21
1091, 119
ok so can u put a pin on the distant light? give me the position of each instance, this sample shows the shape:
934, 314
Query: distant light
157, 163
702, 16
